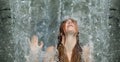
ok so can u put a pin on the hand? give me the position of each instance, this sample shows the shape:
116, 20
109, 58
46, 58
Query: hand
41, 44
34, 43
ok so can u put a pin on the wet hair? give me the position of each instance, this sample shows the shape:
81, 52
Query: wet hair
77, 50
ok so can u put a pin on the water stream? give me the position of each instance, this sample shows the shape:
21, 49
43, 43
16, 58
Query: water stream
43, 17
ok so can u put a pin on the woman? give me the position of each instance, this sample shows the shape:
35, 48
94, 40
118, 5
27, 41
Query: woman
69, 49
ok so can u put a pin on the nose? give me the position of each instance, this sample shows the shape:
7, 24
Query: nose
70, 22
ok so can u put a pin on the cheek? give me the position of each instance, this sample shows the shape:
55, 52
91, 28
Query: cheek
76, 28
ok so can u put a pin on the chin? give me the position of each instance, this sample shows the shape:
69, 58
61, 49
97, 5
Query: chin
70, 32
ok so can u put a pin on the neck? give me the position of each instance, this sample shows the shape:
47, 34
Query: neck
70, 41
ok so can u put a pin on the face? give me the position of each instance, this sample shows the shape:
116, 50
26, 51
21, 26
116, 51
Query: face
70, 26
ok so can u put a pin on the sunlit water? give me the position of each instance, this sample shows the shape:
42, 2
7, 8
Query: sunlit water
43, 17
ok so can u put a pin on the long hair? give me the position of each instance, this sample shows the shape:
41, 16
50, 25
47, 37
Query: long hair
77, 50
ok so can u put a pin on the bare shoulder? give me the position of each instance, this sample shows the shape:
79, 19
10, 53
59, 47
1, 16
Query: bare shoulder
86, 49
49, 55
50, 49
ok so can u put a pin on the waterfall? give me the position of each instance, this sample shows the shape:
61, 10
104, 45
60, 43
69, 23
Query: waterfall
21, 18
98, 21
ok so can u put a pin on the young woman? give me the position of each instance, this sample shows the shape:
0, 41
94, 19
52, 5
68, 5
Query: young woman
69, 49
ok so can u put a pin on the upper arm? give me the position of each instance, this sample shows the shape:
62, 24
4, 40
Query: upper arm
86, 53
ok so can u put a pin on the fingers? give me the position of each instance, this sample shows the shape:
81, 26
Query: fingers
41, 44
34, 40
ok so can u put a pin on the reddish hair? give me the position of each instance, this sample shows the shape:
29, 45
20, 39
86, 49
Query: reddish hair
77, 50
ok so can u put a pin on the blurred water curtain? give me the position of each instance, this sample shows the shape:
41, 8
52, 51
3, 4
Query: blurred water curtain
23, 18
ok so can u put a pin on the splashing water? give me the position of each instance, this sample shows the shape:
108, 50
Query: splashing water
42, 18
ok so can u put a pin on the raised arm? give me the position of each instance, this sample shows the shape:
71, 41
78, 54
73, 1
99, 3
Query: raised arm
86, 53
34, 49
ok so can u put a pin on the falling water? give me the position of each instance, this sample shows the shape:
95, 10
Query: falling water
43, 17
